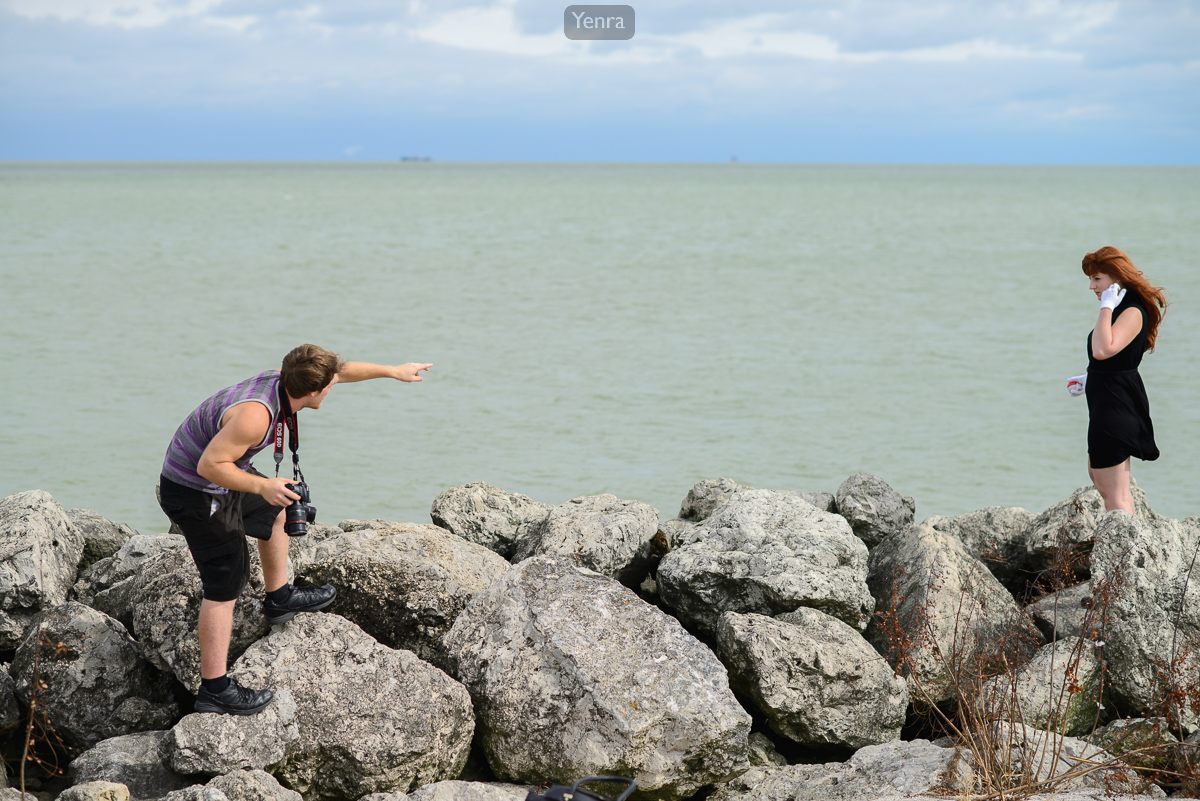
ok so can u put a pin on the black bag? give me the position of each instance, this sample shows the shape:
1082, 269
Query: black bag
559, 793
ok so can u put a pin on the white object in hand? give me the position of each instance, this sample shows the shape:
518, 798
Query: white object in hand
1077, 384
1112, 297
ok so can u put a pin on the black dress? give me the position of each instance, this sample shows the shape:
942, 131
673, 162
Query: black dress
1119, 411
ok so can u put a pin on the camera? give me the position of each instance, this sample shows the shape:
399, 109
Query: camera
299, 513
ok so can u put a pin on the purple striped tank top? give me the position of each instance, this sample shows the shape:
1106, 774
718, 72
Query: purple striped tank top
194, 434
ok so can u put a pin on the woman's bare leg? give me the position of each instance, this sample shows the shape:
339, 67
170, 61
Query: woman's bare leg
1113, 483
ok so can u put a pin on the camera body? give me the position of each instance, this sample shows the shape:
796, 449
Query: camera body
298, 514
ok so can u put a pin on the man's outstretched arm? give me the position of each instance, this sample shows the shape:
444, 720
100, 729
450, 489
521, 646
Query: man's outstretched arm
363, 371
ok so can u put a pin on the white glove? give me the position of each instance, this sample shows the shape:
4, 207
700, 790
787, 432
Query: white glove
1112, 297
1076, 385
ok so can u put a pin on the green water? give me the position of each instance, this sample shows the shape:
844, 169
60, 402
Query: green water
594, 328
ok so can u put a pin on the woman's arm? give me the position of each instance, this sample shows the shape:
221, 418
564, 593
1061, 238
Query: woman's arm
1108, 339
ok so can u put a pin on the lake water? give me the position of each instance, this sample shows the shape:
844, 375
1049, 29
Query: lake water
594, 328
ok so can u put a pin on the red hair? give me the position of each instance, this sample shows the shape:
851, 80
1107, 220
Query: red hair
1117, 266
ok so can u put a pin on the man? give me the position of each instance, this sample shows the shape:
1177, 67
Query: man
210, 490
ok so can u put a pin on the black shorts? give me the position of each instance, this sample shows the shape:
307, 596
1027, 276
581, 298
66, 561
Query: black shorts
217, 538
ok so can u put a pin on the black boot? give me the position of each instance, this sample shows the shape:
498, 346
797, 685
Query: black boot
233, 700
302, 599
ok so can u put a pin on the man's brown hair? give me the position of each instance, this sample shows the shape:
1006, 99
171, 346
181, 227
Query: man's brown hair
308, 369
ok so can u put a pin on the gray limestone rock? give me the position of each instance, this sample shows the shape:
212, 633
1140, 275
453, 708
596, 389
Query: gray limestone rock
1146, 579
768, 553
470, 791
94, 682
816, 679
994, 535
404, 585
1060, 538
101, 537
371, 719
1141, 742
132, 760
108, 583
1059, 689
165, 598
10, 711
890, 770
385, 797
1041, 756
762, 751
95, 791
252, 785
574, 675
196, 792
940, 608
1062, 615
352, 524
599, 532
487, 515
706, 496
873, 509
39, 558
217, 744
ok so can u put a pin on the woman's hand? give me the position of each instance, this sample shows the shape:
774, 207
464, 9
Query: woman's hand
1112, 297
1076, 385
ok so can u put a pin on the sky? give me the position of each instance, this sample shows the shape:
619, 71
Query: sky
858, 81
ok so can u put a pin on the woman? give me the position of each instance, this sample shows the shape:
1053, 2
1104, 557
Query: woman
1119, 426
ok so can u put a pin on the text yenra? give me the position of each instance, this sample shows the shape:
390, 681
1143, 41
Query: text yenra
583, 20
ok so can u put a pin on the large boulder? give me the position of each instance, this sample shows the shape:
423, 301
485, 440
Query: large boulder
252, 785
873, 509
1060, 689
371, 719
1146, 581
574, 675
108, 583
767, 553
1070, 762
471, 791
92, 681
95, 791
39, 558
887, 771
487, 515
217, 744
994, 535
1058, 543
1064, 614
165, 600
132, 760
816, 679
599, 532
940, 612
101, 536
703, 498
404, 585
10, 710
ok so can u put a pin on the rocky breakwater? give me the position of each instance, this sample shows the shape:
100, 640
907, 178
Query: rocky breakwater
724, 653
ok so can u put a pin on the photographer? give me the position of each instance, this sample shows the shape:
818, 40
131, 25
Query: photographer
210, 490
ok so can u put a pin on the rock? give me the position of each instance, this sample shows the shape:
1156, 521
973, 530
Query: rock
362, 525
1146, 581
107, 584
762, 751
1059, 689
1042, 756
767, 553
404, 585
95, 791
385, 797
101, 537
470, 791
1060, 615
825, 501
39, 558
165, 598
10, 712
1059, 541
599, 532
94, 682
676, 532
940, 610
487, 515
1140, 742
132, 760
252, 785
217, 744
897, 768
371, 719
196, 792
873, 509
573, 675
318, 533
706, 496
994, 535
815, 678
